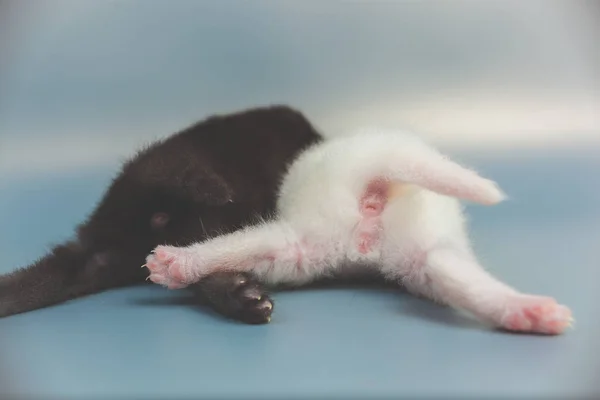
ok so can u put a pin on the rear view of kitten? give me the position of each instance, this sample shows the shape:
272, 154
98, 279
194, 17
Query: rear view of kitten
376, 199
214, 177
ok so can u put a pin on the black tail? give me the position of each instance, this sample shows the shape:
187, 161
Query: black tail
67, 272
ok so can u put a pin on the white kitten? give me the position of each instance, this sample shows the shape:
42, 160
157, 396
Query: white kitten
375, 198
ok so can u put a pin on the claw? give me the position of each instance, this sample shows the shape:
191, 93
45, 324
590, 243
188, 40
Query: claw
143, 266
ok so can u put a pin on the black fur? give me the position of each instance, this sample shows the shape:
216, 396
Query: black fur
212, 178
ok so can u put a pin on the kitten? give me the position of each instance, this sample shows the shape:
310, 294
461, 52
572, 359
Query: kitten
214, 177
376, 199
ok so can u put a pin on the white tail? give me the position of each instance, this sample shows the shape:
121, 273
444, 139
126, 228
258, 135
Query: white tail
407, 159
443, 176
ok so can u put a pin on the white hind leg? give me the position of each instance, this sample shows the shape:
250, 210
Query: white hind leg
455, 278
274, 252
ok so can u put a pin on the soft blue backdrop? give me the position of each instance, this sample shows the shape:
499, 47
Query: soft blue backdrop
85, 83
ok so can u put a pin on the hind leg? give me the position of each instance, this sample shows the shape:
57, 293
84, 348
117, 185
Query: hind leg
455, 278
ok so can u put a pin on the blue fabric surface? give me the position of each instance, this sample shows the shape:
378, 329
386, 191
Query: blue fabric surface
350, 342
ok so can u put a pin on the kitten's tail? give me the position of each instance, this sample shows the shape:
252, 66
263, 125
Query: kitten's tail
67, 272
407, 159
441, 175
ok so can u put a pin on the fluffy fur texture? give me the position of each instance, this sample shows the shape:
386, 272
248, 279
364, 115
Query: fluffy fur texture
215, 177
374, 199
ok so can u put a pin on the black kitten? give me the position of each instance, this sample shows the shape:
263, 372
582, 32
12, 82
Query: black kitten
212, 178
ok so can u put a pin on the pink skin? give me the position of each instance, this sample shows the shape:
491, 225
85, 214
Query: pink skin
372, 205
165, 269
174, 268
536, 314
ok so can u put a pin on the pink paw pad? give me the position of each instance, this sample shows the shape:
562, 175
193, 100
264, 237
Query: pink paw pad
165, 266
536, 315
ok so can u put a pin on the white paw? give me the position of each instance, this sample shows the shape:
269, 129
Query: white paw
169, 266
536, 314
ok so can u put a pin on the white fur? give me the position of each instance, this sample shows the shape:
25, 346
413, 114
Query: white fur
419, 239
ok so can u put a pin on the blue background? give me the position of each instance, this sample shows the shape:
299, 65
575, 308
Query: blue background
85, 83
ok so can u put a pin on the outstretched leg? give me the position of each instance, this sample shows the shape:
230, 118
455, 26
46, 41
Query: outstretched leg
455, 278
273, 252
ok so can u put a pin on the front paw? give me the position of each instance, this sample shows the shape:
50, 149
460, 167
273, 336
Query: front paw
247, 301
169, 266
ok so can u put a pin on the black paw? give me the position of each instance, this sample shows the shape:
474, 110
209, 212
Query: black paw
248, 301
237, 296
